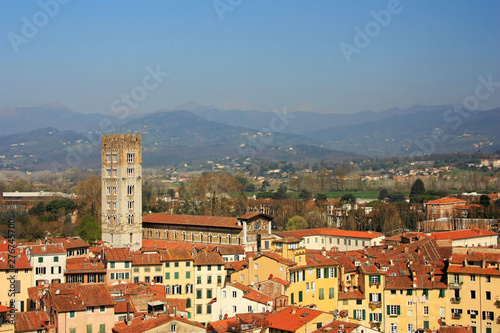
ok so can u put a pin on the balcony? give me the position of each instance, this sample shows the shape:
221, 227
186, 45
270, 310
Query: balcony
375, 304
455, 285
455, 300
456, 315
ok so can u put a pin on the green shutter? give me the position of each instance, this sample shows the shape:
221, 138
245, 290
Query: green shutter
474, 329
300, 296
188, 275
426, 324
176, 275
112, 276
127, 275
441, 293
321, 293
378, 278
388, 310
89, 328
317, 272
364, 314
293, 298
399, 310
167, 276
331, 292
326, 273
102, 328
335, 271
409, 292
371, 317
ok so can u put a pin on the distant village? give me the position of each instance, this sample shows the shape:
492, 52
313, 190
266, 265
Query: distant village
258, 267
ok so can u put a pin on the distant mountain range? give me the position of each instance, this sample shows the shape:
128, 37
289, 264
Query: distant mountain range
38, 136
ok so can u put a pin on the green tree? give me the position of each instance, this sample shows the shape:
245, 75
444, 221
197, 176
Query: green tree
305, 194
38, 210
321, 198
383, 194
296, 223
349, 198
281, 193
396, 197
417, 188
484, 200
89, 230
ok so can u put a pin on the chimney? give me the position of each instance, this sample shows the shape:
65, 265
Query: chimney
127, 318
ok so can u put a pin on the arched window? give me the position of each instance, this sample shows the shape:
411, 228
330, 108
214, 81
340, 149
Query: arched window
189, 289
130, 238
175, 234
166, 234
220, 239
158, 234
201, 237
192, 236
210, 238
183, 236
188, 303
167, 289
229, 239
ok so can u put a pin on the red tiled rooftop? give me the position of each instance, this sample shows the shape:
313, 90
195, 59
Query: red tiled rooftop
48, 249
462, 234
145, 259
31, 321
141, 325
444, 201
21, 261
211, 221
329, 232
350, 294
118, 254
121, 306
292, 318
69, 242
81, 265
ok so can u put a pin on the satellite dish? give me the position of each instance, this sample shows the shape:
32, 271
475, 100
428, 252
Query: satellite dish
152, 283
57, 292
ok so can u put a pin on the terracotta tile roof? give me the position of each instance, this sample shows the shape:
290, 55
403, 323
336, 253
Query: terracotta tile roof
230, 249
280, 281
398, 282
222, 326
443, 201
256, 296
69, 242
145, 259
335, 325
211, 221
48, 249
455, 329
77, 297
4, 308
118, 254
83, 265
208, 258
329, 232
291, 318
462, 234
370, 269
350, 294
316, 259
32, 321
21, 261
141, 325
271, 255
237, 265
473, 270
176, 255
121, 305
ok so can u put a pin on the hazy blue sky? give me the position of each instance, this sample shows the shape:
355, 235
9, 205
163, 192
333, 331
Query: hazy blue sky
276, 53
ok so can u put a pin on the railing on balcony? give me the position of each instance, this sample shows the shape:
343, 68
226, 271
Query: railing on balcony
455, 300
375, 304
455, 285
456, 315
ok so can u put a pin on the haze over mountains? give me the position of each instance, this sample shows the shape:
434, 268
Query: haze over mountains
192, 131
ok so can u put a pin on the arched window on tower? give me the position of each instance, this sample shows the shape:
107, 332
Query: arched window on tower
201, 237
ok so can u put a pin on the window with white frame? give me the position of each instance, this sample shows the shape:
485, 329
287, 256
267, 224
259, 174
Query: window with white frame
115, 157
108, 203
393, 310
410, 328
313, 286
332, 273
359, 314
234, 308
473, 277
307, 286
130, 157
310, 270
108, 189
131, 204
115, 172
426, 310
234, 294
130, 172
173, 328
108, 157
394, 328
130, 218
115, 189
442, 311
242, 277
114, 204
376, 317
300, 276
108, 172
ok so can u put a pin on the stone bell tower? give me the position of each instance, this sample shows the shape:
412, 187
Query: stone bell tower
121, 173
